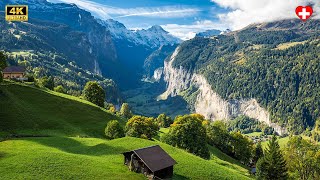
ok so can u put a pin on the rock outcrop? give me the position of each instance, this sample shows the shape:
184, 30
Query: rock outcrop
209, 103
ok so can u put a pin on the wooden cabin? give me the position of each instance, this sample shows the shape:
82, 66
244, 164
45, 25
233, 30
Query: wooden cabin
14, 72
151, 161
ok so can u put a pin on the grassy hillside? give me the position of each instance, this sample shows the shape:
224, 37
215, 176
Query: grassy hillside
31, 111
91, 158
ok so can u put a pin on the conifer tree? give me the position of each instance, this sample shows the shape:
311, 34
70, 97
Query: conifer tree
272, 165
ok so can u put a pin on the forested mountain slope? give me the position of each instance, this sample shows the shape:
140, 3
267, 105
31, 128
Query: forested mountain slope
275, 63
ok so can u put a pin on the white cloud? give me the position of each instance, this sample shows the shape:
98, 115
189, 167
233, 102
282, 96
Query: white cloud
106, 12
245, 12
186, 32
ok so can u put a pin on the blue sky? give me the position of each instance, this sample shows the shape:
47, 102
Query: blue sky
184, 18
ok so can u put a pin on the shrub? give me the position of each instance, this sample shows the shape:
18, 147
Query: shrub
114, 130
46, 82
60, 89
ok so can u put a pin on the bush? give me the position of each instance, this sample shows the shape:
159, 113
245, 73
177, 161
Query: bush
141, 127
187, 132
46, 82
114, 130
60, 89
94, 93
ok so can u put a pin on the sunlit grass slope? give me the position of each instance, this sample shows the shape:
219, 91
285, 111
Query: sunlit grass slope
31, 111
91, 158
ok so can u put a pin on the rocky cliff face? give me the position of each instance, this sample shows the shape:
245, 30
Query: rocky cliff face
208, 102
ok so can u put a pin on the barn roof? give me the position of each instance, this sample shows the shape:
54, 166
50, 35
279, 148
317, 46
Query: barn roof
154, 157
12, 69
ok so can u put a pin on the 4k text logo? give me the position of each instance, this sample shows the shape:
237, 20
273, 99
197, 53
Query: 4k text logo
17, 13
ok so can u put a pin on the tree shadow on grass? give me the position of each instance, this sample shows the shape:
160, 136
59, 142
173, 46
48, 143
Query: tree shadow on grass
2, 154
70, 145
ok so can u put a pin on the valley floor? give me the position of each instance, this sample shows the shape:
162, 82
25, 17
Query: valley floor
143, 100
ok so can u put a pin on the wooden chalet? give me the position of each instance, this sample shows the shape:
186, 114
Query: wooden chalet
14, 72
152, 161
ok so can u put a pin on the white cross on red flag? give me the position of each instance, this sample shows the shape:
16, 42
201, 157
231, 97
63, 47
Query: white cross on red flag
304, 12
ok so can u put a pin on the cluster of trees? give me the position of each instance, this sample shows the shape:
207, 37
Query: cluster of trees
136, 126
187, 132
246, 125
234, 144
300, 159
193, 133
46, 82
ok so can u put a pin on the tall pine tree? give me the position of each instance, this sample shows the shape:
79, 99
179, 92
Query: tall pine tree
272, 165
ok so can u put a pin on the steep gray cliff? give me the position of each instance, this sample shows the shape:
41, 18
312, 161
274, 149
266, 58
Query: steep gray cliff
208, 102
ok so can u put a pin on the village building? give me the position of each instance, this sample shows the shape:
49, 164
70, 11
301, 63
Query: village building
14, 72
152, 161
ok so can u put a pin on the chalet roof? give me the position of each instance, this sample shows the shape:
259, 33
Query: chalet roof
15, 69
154, 157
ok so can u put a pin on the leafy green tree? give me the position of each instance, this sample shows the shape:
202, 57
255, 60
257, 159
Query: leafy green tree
60, 89
3, 61
303, 159
46, 82
125, 110
94, 93
164, 120
242, 147
141, 127
272, 165
218, 135
114, 130
258, 152
187, 132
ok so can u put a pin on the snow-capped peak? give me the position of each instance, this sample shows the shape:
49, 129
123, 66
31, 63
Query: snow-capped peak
153, 37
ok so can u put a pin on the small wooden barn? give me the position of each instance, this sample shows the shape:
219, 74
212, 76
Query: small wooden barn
152, 161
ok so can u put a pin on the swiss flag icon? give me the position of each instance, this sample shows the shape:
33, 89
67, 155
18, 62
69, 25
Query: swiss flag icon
304, 12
